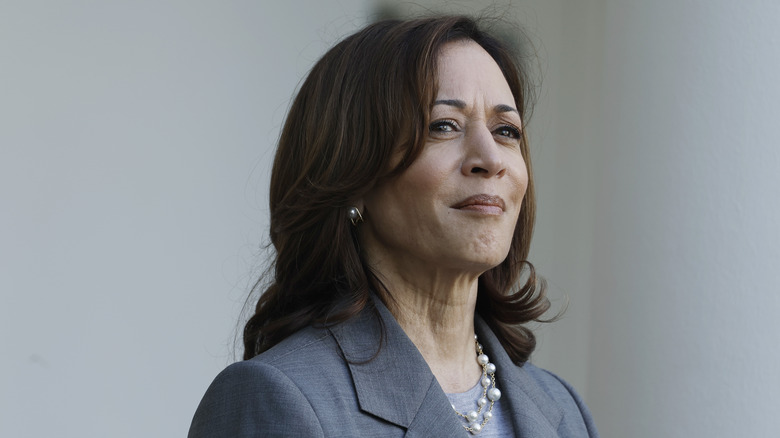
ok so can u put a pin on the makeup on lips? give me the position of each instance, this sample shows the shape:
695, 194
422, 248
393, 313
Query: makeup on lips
482, 203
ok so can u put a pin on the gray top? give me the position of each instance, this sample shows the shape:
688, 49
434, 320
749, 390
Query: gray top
500, 426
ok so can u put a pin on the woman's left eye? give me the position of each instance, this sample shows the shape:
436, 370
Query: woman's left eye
507, 131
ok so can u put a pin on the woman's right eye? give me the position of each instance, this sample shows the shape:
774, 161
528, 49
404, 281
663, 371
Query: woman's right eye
443, 126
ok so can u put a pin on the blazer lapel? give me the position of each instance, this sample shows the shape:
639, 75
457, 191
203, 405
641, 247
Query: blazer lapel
534, 413
435, 417
394, 383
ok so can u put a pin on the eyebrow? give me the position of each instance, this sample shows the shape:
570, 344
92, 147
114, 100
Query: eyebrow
457, 103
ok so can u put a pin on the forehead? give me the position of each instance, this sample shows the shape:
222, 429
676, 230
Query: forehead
466, 71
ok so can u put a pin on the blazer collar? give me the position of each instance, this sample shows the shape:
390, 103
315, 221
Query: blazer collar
535, 413
395, 383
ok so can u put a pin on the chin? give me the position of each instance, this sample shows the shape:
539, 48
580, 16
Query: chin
483, 265
490, 258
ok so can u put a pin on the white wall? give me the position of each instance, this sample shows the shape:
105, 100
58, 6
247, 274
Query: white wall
135, 140
564, 135
685, 338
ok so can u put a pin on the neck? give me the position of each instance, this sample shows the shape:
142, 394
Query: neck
438, 317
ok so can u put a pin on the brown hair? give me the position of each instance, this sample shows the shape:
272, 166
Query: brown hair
368, 96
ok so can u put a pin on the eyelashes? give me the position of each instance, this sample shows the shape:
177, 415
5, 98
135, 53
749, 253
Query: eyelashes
445, 126
509, 131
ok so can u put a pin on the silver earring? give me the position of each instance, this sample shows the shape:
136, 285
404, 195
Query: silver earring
354, 215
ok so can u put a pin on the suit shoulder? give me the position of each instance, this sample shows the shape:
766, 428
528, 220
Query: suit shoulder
304, 348
303, 377
236, 405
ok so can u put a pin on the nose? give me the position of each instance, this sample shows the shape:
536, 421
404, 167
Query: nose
483, 156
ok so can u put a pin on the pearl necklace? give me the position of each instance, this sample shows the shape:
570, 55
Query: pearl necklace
490, 394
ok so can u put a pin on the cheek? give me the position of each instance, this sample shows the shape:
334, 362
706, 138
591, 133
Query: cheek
404, 203
426, 178
520, 180
421, 187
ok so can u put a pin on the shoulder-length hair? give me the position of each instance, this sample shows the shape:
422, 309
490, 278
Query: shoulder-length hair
368, 96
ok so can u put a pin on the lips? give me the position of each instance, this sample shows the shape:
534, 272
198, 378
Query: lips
485, 203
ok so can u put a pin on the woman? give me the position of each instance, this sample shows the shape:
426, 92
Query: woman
402, 210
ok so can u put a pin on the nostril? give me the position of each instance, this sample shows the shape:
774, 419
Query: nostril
478, 170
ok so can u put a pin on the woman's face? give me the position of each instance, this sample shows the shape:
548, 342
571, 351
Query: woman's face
456, 206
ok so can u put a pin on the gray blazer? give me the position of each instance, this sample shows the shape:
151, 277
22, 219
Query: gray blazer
330, 382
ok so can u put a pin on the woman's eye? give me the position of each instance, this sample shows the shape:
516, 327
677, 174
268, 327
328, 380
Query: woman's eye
443, 126
508, 131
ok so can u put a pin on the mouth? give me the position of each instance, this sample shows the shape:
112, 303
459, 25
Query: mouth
486, 204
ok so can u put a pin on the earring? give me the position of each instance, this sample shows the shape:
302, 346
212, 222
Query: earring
354, 215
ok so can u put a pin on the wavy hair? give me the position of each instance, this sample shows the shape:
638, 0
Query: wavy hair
366, 97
